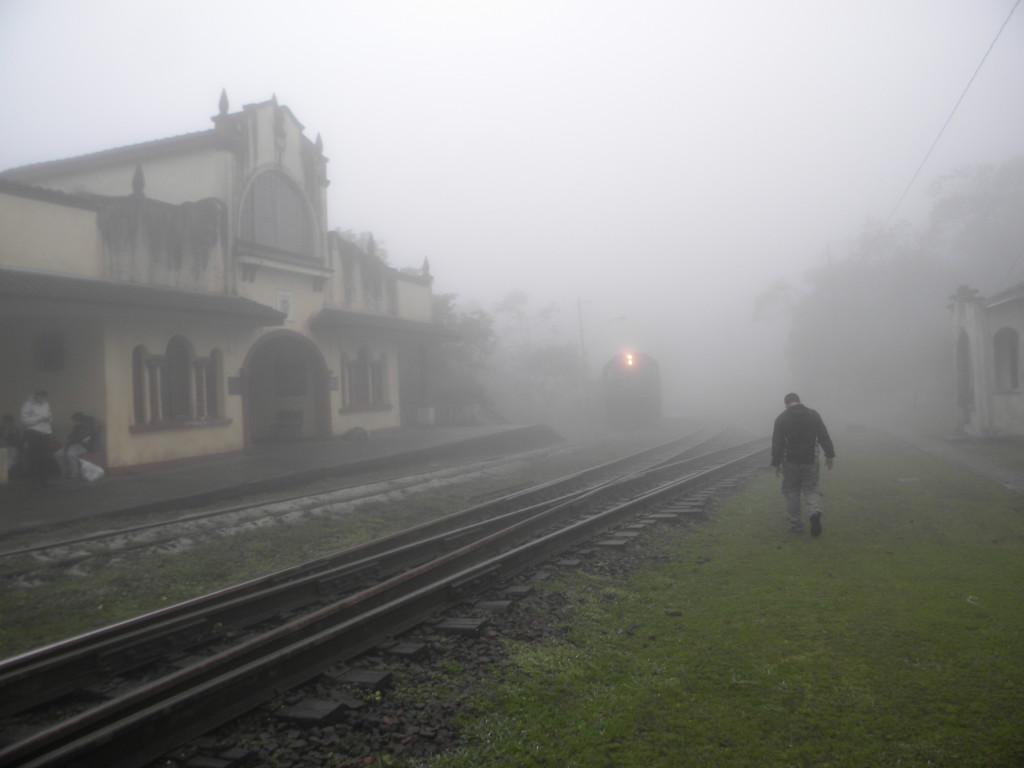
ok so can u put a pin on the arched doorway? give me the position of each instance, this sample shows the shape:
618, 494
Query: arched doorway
285, 389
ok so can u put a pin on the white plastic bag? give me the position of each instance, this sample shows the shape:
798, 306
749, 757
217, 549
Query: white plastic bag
90, 471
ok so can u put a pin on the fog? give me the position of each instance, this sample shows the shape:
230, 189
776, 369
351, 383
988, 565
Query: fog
649, 166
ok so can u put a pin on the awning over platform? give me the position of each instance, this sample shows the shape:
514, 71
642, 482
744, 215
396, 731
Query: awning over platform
24, 292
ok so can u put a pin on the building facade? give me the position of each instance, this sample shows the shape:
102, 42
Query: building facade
990, 397
189, 294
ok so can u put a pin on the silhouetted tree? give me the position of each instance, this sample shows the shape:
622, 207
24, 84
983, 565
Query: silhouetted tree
977, 224
538, 374
870, 330
460, 373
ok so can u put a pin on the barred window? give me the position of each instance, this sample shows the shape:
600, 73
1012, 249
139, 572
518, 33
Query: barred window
140, 389
363, 381
176, 387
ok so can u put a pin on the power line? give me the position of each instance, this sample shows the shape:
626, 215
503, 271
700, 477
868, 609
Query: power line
948, 119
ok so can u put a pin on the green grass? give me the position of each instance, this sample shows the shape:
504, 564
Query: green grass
66, 604
896, 639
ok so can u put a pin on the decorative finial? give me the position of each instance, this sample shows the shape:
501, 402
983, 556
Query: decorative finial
223, 103
426, 266
138, 182
319, 145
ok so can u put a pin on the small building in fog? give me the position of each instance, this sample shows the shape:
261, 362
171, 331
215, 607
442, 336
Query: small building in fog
990, 397
188, 293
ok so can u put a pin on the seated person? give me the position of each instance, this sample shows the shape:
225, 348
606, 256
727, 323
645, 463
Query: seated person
80, 441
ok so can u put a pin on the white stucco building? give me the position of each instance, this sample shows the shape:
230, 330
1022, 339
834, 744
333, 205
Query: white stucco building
989, 376
188, 292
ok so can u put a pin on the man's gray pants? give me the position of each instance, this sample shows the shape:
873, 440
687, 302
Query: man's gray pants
797, 479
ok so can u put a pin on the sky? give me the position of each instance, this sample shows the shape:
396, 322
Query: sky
647, 165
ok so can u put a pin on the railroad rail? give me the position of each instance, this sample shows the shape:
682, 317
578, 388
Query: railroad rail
236, 647
39, 676
24, 563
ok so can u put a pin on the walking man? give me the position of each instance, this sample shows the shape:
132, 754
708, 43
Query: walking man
796, 436
38, 424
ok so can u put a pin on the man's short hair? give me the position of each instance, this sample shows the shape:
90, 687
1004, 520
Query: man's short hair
791, 398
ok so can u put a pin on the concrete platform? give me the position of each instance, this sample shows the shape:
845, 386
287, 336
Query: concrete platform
264, 468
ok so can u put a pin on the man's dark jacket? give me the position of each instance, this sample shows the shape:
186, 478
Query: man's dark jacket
796, 431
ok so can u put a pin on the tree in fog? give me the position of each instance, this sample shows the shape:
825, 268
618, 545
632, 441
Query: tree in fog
977, 224
366, 242
512, 363
870, 329
461, 372
538, 376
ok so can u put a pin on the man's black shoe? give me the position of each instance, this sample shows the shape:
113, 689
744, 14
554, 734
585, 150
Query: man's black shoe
816, 524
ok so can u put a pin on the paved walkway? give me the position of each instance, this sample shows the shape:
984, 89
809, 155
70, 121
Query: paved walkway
955, 453
265, 468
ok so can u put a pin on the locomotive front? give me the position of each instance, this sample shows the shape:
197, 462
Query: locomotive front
632, 390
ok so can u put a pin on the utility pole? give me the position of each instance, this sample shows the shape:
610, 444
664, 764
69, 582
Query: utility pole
586, 373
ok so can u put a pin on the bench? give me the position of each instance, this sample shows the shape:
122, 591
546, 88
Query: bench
288, 425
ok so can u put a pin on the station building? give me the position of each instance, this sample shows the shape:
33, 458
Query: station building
187, 292
989, 392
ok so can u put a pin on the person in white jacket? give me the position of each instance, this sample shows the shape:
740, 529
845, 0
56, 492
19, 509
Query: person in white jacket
38, 423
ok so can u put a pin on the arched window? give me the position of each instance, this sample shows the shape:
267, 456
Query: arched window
364, 381
275, 215
211, 381
140, 390
346, 381
176, 388
361, 378
176, 385
1006, 355
206, 371
378, 381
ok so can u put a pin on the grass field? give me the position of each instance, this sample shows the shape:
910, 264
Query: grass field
894, 639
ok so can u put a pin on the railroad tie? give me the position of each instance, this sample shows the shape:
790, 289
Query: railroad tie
466, 625
409, 651
235, 757
367, 678
516, 591
318, 711
494, 606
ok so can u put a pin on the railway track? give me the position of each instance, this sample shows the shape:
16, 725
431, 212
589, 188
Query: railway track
24, 564
174, 674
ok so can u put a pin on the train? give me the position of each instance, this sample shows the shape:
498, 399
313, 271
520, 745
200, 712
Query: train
632, 390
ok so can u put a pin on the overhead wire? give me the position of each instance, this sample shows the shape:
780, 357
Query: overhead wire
949, 118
